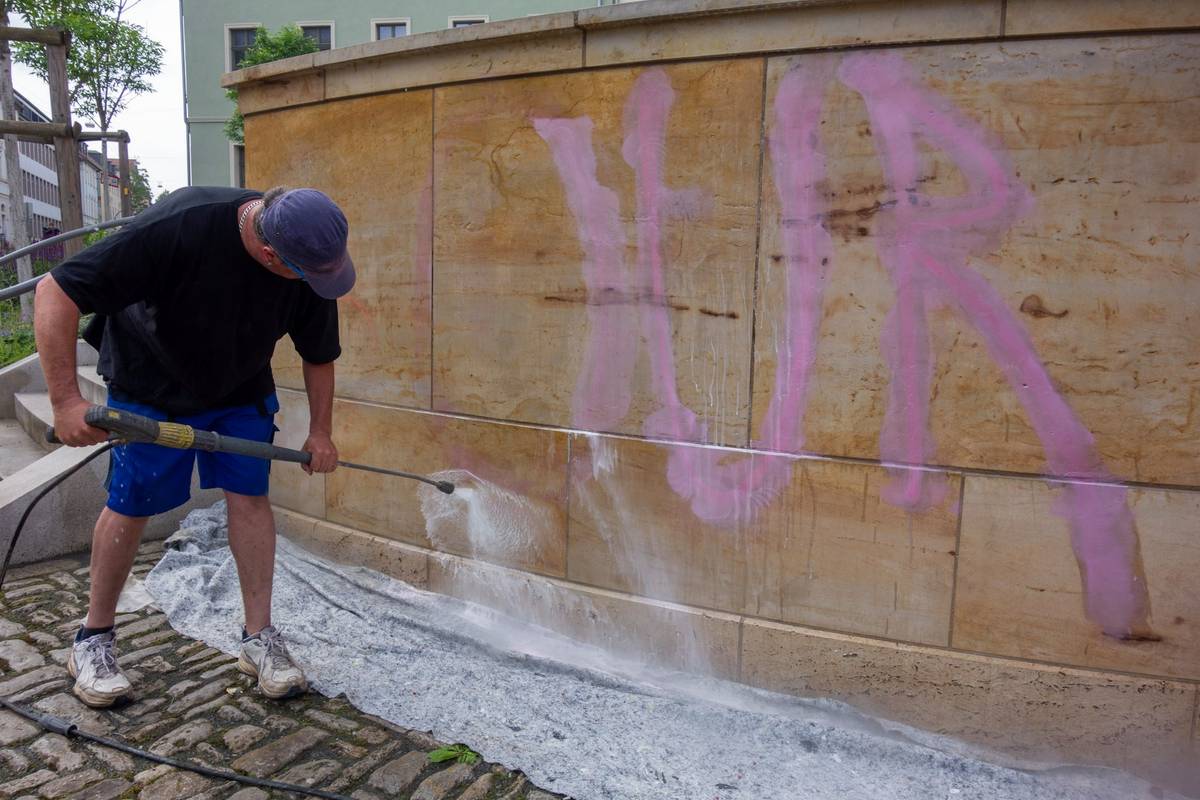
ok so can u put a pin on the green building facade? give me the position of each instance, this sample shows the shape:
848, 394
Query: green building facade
215, 32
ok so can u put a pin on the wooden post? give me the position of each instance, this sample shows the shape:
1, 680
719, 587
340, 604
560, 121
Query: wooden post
66, 149
126, 193
16, 177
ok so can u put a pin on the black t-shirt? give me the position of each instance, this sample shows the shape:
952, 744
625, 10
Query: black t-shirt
186, 320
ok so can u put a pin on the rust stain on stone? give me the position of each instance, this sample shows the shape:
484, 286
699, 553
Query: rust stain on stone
615, 297
1034, 307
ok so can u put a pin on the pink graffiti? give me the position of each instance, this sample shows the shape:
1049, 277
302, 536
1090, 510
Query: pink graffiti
925, 243
719, 489
603, 393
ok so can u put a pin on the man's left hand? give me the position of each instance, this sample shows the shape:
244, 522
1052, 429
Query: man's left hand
324, 453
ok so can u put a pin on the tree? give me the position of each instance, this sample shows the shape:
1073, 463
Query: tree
289, 41
110, 61
12, 161
139, 189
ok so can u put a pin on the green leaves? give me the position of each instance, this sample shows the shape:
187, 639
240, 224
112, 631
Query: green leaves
455, 752
139, 189
110, 61
289, 41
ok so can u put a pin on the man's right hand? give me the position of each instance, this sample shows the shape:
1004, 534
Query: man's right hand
70, 428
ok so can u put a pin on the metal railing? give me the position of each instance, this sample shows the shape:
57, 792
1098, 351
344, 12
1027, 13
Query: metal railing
28, 286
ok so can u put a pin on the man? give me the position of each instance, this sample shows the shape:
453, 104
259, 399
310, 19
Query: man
190, 299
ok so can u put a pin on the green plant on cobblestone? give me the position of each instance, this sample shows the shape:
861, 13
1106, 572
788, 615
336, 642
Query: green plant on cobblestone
454, 752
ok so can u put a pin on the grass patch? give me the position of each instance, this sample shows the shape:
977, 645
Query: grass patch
16, 335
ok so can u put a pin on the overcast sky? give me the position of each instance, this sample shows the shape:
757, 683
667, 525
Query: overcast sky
154, 120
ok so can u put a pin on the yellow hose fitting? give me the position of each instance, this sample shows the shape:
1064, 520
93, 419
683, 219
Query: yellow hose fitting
173, 434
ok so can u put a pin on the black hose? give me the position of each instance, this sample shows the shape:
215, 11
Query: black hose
71, 731
12, 543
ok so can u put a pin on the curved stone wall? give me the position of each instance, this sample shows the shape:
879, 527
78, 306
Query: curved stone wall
862, 372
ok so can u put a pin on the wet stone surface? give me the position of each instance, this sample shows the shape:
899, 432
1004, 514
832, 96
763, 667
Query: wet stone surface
193, 704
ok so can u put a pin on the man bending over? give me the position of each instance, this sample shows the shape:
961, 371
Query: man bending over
190, 299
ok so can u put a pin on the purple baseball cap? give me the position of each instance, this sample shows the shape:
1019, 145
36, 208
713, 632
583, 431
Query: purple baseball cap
308, 230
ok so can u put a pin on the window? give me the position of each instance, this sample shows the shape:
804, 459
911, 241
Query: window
239, 165
240, 40
321, 34
391, 29
466, 22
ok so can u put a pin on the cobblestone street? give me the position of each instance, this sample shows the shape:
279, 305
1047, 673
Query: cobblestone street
192, 703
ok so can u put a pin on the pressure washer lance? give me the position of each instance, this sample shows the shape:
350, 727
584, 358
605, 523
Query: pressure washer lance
125, 426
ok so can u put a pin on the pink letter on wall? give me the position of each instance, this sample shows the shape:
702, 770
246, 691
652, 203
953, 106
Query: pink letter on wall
926, 247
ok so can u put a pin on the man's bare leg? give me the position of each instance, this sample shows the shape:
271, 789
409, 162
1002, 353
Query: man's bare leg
252, 540
92, 662
114, 547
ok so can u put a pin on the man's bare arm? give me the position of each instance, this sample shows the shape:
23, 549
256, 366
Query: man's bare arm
56, 326
319, 383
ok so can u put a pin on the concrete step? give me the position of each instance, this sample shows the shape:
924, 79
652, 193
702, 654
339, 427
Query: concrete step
35, 414
91, 385
17, 450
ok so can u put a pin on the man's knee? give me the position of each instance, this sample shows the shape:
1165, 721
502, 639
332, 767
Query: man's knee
243, 504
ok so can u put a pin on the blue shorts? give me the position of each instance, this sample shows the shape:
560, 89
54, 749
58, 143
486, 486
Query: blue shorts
148, 479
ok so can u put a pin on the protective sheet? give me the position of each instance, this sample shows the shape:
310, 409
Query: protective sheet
575, 720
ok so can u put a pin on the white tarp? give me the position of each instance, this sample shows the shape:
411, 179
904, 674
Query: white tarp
429, 662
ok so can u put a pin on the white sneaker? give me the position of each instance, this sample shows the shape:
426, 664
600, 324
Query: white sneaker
265, 656
93, 664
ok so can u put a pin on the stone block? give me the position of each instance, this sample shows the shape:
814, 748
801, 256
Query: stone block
183, 737
30, 781
1095, 263
768, 535
1020, 590
17, 655
1033, 712
271, 69
800, 27
15, 729
468, 61
510, 505
58, 753
291, 486
1037, 17
440, 784
349, 546
175, 785
282, 91
396, 776
480, 789
382, 183
104, 790
546, 281
275, 755
643, 631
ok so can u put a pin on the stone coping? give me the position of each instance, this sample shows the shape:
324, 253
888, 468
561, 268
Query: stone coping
665, 30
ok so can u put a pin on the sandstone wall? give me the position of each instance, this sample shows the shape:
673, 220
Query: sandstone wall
868, 373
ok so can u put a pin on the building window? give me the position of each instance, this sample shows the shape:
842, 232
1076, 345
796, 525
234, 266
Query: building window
466, 22
392, 29
239, 165
321, 34
240, 40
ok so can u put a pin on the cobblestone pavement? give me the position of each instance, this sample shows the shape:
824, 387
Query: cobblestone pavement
192, 703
